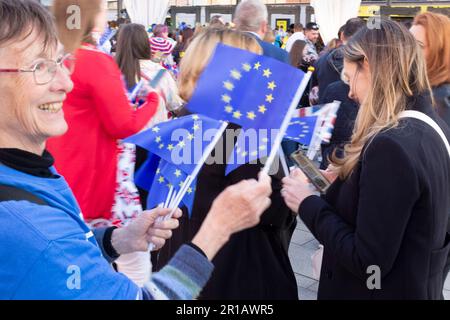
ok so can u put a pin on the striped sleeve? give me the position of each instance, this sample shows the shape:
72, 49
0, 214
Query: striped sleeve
182, 279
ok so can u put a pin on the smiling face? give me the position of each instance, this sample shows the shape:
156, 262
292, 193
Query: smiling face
31, 113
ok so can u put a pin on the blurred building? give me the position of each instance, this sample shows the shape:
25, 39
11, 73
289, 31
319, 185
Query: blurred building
285, 12
113, 7
282, 12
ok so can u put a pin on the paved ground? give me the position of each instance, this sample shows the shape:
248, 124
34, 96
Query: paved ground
303, 245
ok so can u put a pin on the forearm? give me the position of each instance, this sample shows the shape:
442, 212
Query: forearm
182, 279
119, 241
210, 238
332, 232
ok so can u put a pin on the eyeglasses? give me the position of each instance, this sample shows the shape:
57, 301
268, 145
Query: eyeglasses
44, 71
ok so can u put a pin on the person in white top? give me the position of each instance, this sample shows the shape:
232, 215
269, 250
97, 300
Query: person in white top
298, 35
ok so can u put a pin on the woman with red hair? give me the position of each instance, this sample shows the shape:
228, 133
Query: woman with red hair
432, 32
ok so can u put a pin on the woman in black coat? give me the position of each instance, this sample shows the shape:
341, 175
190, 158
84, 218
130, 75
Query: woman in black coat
383, 222
254, 264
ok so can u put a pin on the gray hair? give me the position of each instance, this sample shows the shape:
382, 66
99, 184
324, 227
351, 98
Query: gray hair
19, 18
250, 14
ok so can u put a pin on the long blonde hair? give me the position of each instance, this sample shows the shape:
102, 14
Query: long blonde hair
398, 71
201, 50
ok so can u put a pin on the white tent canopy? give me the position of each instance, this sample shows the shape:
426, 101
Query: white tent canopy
147, 12
332, 14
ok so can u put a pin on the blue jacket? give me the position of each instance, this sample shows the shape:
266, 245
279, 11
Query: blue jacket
270, 50
48, 252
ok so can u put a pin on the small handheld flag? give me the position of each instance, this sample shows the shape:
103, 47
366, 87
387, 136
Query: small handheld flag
249, 90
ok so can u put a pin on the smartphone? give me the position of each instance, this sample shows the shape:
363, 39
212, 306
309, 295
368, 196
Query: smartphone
310, 170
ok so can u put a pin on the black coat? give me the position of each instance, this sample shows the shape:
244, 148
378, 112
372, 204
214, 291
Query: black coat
345, 119
328, 70
442, 99
254, 264
391, 212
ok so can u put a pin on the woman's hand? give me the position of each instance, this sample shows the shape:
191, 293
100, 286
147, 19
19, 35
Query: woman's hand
237, 208
330, 174
296, 188
145, 229
161, 231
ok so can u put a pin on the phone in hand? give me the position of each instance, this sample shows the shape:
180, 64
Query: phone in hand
311, 171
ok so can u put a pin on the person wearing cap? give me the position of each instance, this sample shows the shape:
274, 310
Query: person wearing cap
161, 48
312, 35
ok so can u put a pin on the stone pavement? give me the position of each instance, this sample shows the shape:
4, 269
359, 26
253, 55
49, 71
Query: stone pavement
303, 245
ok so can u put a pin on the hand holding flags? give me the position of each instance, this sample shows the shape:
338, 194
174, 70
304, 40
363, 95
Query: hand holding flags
180, 145
166, 184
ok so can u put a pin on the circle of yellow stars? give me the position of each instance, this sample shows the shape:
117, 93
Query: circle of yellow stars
263, 145
304, 132
236, 75
161, 180
181, 143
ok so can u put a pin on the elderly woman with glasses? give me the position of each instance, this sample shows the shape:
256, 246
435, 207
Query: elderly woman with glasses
47, 251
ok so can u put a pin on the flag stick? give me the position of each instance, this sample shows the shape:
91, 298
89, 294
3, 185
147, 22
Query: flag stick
198, 167
284, 163
276, 145
174, 196
169, 196
135, 91
151, 245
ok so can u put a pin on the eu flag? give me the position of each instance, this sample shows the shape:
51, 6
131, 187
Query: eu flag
180, 141
250, 90
250, 148
169, 176
244, 88
175, 148
302, 129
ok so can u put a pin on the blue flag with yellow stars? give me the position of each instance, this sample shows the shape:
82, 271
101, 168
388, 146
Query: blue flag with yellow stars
251, 147
302, 129
175, 148
180, 141
247, 89
144, 176
169, 176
